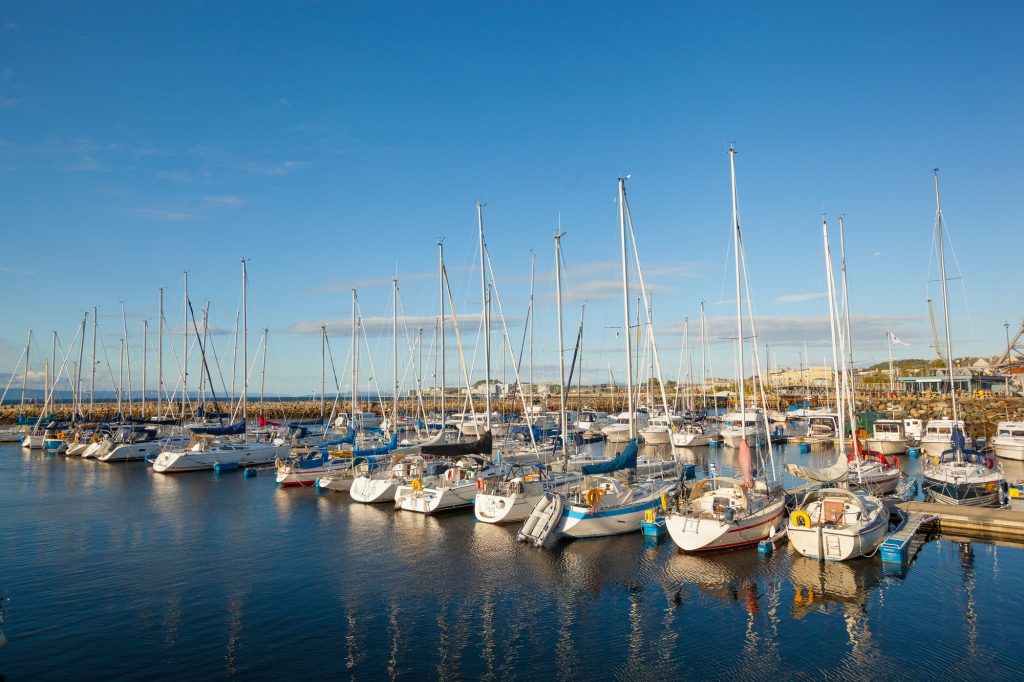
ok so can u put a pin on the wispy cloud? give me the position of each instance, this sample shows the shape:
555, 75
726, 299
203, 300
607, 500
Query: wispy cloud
381, 326
222, 200
800, 298
187, 208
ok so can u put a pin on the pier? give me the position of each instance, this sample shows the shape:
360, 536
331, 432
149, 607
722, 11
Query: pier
975, 522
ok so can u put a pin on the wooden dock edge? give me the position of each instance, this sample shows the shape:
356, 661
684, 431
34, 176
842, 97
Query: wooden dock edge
980, 522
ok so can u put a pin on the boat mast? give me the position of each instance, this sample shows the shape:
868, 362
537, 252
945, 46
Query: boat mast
833, 322
245, 350
739, 294
78, 370
625, 303
160, 355
145, 340
24, 379
263, 370
561, 343
703, 369
355, 360
184, 366
323, 369
128, 357
120, 377
394, 350
689, 365
888, 343
440, 271
945, 311
487, 321
53, 366
533, 276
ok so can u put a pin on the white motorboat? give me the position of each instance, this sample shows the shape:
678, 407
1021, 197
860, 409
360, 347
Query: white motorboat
206, 452
592, 420
695, 434
749, 426
938, 436
455, 488
723, 513
659, 429
889, 437
512, 497
11, 436
1009, 440
619, 430
371, 488
838, 524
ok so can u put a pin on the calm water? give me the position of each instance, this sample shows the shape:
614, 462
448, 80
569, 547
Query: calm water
115, 572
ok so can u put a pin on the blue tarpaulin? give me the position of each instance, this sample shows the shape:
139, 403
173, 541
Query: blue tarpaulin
625, 460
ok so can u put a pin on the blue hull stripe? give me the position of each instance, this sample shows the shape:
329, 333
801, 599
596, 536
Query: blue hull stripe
572, 514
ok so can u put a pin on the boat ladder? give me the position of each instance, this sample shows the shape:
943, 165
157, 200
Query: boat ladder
901, 545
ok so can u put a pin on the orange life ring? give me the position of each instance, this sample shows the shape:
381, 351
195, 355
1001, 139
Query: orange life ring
481, 484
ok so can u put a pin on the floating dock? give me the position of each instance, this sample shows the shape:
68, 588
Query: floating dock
980, 522
901, 546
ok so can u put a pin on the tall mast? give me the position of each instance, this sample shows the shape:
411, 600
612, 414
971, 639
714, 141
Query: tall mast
323, 369
160, 355
78, 370
440, 271
532, 315
355, 362
245, 350
128, 357
53, 366
24, 379
263, 371
145, 340
120, 378
184, 366
703, 369
888, 343
487, 322
689, 365
394, 349
561, 343
833, 323
945, 308
234, 356
92, 380
625, 304
739, 304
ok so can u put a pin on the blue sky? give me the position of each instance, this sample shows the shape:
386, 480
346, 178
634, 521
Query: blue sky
334, 143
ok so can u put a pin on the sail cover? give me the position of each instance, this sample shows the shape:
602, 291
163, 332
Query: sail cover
625, 460
383, 450
828, 475
481, 446
235, 429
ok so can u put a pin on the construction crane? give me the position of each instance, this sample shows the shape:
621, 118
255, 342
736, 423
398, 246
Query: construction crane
935, 332
1012, 353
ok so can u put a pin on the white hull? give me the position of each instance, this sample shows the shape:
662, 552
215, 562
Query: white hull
837, 545
616, 433
582, 521
373, 490
702, 534
691, 440
506, 508
76, 449
432, 500
127, 452
32, 442
98, 449
732, 439
887, 446
1014, 451
843, 525
240, 454
656, 435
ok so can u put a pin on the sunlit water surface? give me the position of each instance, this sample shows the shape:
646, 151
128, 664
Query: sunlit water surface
116, 572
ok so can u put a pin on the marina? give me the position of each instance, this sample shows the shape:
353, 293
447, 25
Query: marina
392, 594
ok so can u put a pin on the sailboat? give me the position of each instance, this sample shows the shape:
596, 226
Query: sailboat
601, 503
958, 476
208, 447
725, 512
836, 523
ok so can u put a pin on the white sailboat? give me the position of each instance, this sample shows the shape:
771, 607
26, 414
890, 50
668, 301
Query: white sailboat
723, 512
958, 475
206, 451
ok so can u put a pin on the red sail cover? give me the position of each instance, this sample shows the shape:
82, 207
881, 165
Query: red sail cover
746, 464
264, 422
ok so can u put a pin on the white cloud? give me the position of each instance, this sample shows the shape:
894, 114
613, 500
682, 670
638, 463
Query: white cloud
800, 298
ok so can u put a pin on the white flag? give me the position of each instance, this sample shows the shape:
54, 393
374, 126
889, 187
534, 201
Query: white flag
896, 340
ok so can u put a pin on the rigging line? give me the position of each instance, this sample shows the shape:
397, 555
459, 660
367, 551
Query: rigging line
455, 325
14, 373
202, 355
508, 342
369, 355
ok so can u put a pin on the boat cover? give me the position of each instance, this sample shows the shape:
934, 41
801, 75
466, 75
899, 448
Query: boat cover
625, 460
235, 429
383, 450
828, 475
480, 446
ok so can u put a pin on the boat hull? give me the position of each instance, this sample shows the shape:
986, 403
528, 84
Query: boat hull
433, 500
704, 534
579, 522
1014, 451
886, 446
839, 544
174, 461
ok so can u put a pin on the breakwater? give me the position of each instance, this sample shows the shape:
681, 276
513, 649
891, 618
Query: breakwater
981, 413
